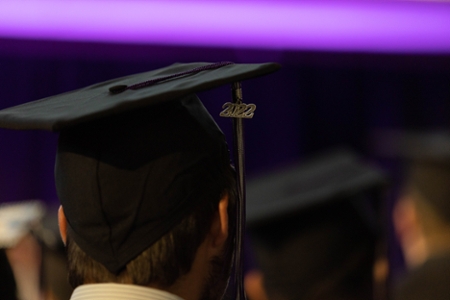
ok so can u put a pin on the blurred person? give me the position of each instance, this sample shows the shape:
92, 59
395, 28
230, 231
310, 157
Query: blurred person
144, 178
315, 228
33, 256
25, 259
421, 217
54, 281
21, 248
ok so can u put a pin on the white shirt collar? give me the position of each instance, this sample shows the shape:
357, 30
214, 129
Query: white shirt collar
116, 291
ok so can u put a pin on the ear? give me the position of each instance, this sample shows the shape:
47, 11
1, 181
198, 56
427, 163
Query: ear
62, 221
409, 231
404, 218
254, 285
219, 226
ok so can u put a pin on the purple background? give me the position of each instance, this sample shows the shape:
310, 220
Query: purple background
344, 25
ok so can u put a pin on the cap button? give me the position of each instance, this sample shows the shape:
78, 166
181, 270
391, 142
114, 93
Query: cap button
117, 89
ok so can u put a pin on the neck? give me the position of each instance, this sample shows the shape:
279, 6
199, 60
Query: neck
191, 285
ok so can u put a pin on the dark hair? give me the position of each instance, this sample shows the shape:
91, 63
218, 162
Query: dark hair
171, 256
324, 253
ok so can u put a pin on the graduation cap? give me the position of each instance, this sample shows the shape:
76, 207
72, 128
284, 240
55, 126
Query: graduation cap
307, 219
323, 180
413, 145
139, 149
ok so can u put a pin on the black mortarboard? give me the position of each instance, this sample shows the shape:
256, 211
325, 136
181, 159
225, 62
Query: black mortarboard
307, 220
323, 180
127, 93
413, 145
145, 136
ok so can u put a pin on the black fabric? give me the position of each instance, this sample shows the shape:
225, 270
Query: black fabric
95, 101
332, 176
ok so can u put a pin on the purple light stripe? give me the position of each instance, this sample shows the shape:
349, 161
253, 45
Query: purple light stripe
369, 26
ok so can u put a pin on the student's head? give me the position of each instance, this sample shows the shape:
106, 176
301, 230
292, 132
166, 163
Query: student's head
325, 253
318, 237
422, 213
141, 192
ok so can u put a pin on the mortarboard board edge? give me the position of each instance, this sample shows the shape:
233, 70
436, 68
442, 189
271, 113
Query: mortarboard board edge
352, 176
28, 119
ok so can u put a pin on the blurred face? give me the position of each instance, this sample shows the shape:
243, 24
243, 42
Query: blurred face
409, 233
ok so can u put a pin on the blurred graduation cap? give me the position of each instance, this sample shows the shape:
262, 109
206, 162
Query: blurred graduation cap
328, 178
426, 160
307, 220
413, 145
145, 139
